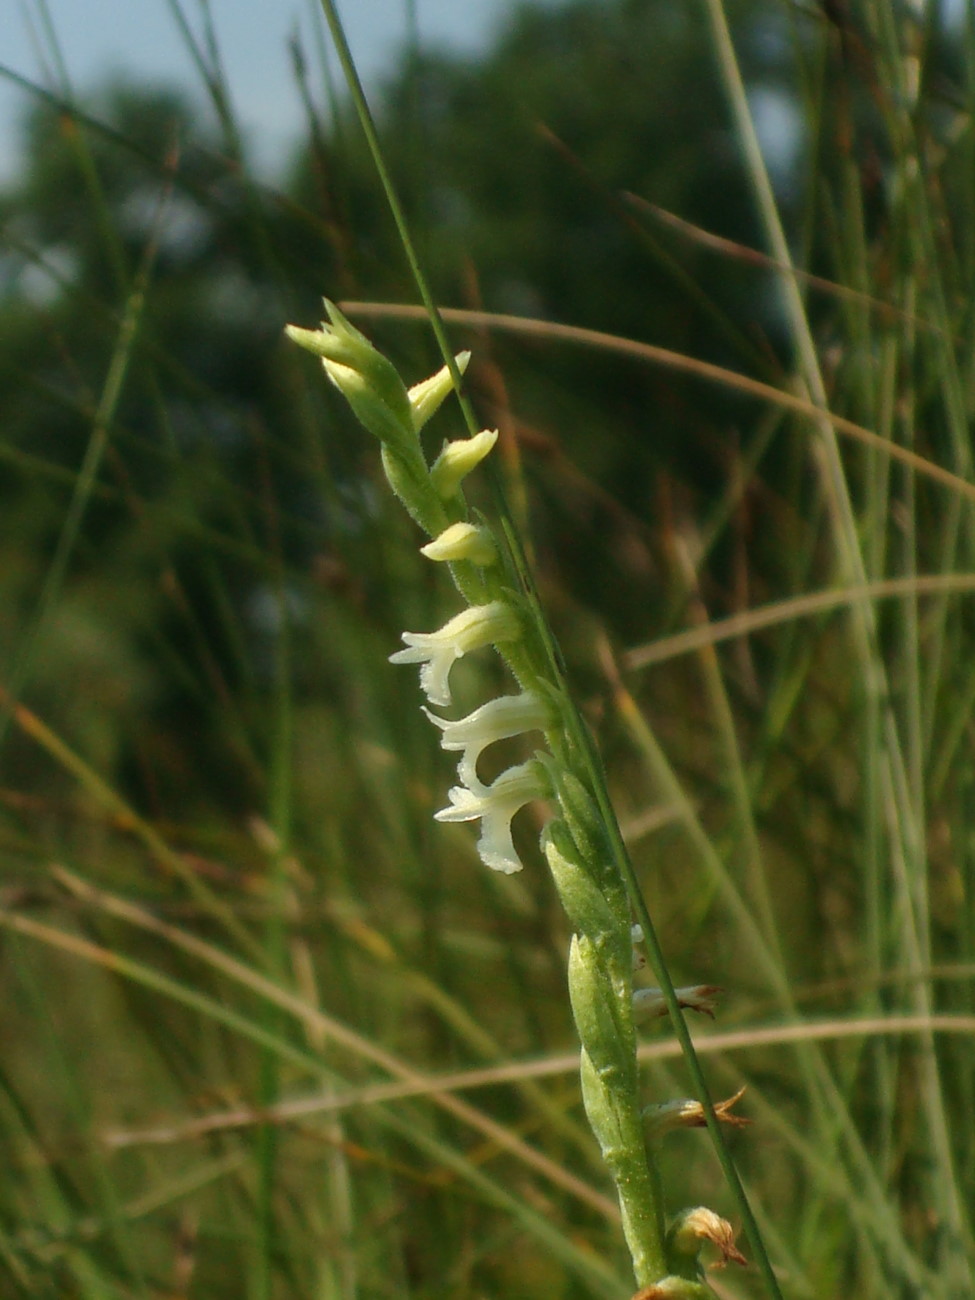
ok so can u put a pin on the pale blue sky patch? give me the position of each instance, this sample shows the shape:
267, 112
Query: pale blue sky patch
140, 40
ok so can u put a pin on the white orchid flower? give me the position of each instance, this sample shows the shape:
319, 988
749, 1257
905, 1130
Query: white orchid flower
495, 805
436, 652
508, 715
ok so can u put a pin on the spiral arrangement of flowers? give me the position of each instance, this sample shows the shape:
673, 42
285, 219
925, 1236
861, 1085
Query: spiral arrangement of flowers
666, 1257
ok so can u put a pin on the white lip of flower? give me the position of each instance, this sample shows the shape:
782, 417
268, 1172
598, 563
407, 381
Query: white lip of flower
472, 628
495, 805
508, 715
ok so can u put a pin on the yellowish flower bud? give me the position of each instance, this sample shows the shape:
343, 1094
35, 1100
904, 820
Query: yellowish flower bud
427, 396
457, 460
462, 542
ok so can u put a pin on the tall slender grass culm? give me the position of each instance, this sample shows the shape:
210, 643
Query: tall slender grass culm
324, 983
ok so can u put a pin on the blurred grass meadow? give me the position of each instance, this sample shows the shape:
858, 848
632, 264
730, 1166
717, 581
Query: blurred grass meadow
270, 1031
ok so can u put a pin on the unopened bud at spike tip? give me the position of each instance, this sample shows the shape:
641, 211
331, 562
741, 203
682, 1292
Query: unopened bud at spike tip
365, 378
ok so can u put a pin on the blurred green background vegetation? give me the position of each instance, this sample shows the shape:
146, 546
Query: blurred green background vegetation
237, 954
